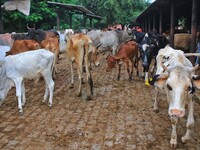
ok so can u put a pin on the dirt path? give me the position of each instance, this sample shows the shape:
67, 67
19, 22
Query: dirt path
119, 117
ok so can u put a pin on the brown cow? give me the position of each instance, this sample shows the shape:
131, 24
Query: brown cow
79, 50
127, 52
52, 44
20, 46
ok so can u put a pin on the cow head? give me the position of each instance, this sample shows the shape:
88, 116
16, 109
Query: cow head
95, 59
146, 54
111, 61
179, 83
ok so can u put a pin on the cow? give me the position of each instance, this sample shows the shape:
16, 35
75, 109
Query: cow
110, 40
52, 44
67, 33
149, 45
175, 75
79, 50
127, 52
39, 35
28, 65
20, 46
182, 41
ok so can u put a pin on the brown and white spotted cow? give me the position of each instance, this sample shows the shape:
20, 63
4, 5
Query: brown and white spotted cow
175, 75
20, 46
127, 52
79, 50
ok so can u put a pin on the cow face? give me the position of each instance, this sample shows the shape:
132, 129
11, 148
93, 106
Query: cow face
146, 55
179, 85
111, 61
95, 57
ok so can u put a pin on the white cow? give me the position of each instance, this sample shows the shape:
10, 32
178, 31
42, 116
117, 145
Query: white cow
28, 65
178, 81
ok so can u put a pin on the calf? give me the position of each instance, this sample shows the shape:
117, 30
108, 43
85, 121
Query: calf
20, 46
28, 65
127, 52
179, 82
52, 44
79, 50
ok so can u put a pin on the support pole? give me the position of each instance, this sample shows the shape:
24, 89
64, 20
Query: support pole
172, 25
194, 23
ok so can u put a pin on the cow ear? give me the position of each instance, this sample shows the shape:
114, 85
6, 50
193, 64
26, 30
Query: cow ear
196, 81
159, 80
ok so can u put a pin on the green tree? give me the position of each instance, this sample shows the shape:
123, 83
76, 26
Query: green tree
44, 15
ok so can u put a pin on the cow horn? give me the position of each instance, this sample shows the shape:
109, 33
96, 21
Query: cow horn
99, 45
164, 67
27, 26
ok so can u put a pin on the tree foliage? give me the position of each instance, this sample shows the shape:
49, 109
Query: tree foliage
43, 15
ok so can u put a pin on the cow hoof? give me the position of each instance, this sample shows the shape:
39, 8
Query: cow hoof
20, 112
185, 139
88, 98
156, 110
78, 94
173, 144
50, 105
71, 86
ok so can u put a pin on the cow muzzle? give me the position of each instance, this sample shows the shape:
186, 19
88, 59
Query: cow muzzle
176, 112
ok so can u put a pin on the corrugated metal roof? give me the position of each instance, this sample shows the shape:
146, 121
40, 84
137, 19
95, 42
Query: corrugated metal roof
78, 8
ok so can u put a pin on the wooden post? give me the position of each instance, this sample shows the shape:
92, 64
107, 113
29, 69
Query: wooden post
160, 22
146, 25
58, 20
1, 21
90, 23
149, 24
172, 25
193, 28
154, 23
70, 21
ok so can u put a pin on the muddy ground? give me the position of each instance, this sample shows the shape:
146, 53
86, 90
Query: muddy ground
120, 117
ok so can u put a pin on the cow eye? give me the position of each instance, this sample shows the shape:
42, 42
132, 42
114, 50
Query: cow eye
169, 87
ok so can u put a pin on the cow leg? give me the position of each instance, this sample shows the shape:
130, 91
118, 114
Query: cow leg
79, 70
136, 64
128, 70
146, 76
18, 84
72, 75
132, 66
50, 83
190, 121
173, 140
46, 93
89, 77
118, 77
155, 105
23, 94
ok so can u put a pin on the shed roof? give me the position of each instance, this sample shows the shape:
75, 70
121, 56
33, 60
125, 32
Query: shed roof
76, 8
184, 7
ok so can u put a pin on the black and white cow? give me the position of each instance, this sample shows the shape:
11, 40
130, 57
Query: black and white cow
149, 45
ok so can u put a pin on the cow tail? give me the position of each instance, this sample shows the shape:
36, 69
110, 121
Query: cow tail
90, 81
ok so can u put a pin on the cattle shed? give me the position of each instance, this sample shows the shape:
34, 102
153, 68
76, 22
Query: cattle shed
166, 15
73, 9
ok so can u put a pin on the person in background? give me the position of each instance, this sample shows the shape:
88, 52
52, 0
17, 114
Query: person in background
198, 45
138, 29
